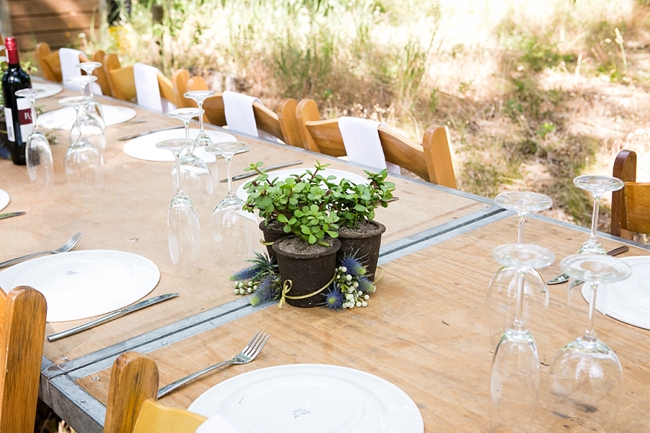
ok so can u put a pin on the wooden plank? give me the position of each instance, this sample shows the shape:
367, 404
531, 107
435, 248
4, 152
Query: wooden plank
56, 40
73, 22
429, 310
48, 7
130, 215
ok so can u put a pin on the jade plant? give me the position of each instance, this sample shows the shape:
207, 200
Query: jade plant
355, 203
301, 202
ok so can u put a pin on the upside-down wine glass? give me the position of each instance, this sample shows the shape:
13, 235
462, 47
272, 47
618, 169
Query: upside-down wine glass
234, 231
89, 125
597, 185
94, 107
199, 96
183, 229
514, 377
196, 174
502, 290
586, 378
38, 155
83, 162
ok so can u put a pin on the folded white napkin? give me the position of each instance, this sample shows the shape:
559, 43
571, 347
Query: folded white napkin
216, 424
362, 144
239, 112
69, 59
147, 89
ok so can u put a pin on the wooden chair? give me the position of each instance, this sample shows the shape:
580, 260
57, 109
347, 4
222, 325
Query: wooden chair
631, 205
430, 160
100, 73
132, 405
281, 124
23, 311
48, 62
122, 82
180, 77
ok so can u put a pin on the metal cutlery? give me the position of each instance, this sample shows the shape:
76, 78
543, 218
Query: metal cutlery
252, 349
112, 316
10, 214
563, 278
254, 173
64, 249
153, 131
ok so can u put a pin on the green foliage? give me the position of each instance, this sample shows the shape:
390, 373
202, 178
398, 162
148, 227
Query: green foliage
301, 203
356, 203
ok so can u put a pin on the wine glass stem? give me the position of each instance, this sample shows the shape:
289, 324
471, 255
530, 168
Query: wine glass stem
518, 323
187, 128
32, 100
200, 104
228, 159
590, 333
177, 157
594, 216
77, 110
520, 228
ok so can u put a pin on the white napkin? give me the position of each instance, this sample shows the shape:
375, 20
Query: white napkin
69, 59
362, 144
147, 89
239, 112
216, 424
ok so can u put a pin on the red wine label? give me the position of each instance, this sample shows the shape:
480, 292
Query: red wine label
24, 119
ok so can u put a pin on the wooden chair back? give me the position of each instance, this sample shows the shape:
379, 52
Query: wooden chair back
282, 124
167, 89
22, 317
48, 62
132, 405
180, 78
100, 73
631, 205
430, 160
120, 80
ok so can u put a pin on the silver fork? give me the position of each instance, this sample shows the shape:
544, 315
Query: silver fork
252, 349
64, 249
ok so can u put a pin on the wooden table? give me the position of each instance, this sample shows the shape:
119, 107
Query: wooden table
129, 214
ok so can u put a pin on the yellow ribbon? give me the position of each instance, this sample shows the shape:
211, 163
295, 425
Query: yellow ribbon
381, 274
286, 288
266, 244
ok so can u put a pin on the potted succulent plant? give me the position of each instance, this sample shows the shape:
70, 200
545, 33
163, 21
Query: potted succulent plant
301, 204
355, 205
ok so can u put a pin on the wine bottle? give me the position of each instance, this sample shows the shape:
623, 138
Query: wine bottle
18, 111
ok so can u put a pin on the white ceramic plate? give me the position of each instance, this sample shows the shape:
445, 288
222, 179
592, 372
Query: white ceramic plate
82, 284
64, 118
311, 398
4, 199
50, 89
145, 147
629, 300
283, 174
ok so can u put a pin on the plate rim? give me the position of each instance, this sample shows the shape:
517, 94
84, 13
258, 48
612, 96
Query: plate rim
418, 422
4, 195
131, 111
618, 315
54, 257
135, 142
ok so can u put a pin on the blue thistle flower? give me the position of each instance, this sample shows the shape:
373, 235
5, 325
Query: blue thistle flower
266, 291
365, 285
247, 273
353, 266
334, 299
261, 265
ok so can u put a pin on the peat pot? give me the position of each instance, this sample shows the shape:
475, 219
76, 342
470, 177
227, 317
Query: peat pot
364, 242
308, 267
272, 232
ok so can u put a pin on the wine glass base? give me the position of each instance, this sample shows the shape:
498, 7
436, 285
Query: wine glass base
591, 248
576, 425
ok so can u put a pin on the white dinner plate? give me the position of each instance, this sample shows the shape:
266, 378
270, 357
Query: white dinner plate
629, 300
50, 89
283, 174
82, 284
4, 199
145, 147
311, 398
64, 118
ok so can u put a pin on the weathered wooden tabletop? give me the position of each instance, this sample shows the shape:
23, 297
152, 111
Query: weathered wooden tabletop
129, 214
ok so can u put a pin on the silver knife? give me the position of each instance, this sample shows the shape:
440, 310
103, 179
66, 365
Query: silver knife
111, 316
254, 173
564, 277
142, 134
10, 214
